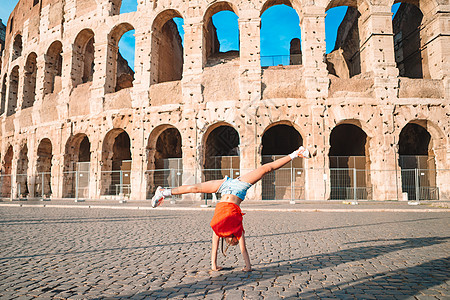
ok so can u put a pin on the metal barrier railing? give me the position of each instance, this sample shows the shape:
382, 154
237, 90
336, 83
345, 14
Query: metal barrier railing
116, 183
289, 183
281, 60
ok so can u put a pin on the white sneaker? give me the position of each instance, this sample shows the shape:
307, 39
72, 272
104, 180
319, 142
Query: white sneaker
158, 198
304, 153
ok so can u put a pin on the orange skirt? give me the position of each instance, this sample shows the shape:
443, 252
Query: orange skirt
227, 220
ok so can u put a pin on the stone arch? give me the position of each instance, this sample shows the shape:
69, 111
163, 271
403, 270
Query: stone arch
167, 50
280, 139
349, 161
163, 135
344, 61
120, 75
6, 168
17, 47
211, 45
417, 162
29, 86
83, 57
21, 174
220, 152
3, 96
13, 91
164, 158
116, 163
53, 68
270, 3
77, 157
44, 167
284, 42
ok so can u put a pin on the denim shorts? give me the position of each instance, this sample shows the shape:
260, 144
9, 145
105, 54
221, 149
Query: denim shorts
234, 187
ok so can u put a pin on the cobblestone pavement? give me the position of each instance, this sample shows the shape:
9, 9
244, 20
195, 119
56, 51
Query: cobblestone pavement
81, 253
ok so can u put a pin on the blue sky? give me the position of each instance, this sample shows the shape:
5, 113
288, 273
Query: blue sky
279, 25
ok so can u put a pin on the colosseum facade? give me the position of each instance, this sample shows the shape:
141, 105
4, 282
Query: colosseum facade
77, 122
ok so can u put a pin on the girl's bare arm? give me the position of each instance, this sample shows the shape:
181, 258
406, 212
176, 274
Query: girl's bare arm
215, 247
243, 247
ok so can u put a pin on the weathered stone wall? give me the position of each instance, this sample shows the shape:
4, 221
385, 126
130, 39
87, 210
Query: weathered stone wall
214, 89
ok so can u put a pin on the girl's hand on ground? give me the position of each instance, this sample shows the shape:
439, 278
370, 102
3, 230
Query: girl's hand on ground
216, 268
247, 269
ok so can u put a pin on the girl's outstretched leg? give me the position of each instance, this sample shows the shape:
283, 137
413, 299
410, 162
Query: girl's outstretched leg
255, 175
205, 187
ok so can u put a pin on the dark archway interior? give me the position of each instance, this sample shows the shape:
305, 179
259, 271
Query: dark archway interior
281, 140
22, 168
348, 163
222, 141
44, 167
6, 170
168, 145
416, 161
84, 154
414, 140
348, 140
121, 152
407, 41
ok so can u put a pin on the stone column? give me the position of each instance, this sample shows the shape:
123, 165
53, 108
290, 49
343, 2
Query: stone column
249, 50
141, 84
437, 43
315, 75
317, 175
377, 49
193, 63
57, 175
101, 84
95, 173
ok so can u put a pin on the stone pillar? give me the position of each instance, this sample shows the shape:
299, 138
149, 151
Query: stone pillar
377, 49
193, 63
315, 75
31, 171
317, 175
138, 163
385, 175
249, 50
103, 61
95, 173
57, 175
437, 43
141, 82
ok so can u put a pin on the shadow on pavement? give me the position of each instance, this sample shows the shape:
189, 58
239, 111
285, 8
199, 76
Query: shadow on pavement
402, 283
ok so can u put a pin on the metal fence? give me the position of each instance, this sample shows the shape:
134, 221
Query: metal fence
281, 60
116, 183
290, 183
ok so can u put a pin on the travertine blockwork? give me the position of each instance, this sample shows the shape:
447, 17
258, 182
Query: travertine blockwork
69, 100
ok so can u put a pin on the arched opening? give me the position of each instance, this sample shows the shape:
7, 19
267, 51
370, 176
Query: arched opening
409, 42
83, 58
286, 183
53, 68
77, 158
121, 45
220, 33
29, 87
342, 40
44, 168
116, 164
221, 154
164, 158
280, 35
13, 91
128, 6
167, 47
349, 164
417, 163
3, 96
5, 177
17, 47
21, 176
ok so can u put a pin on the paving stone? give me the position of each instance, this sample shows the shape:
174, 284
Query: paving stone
118, 254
